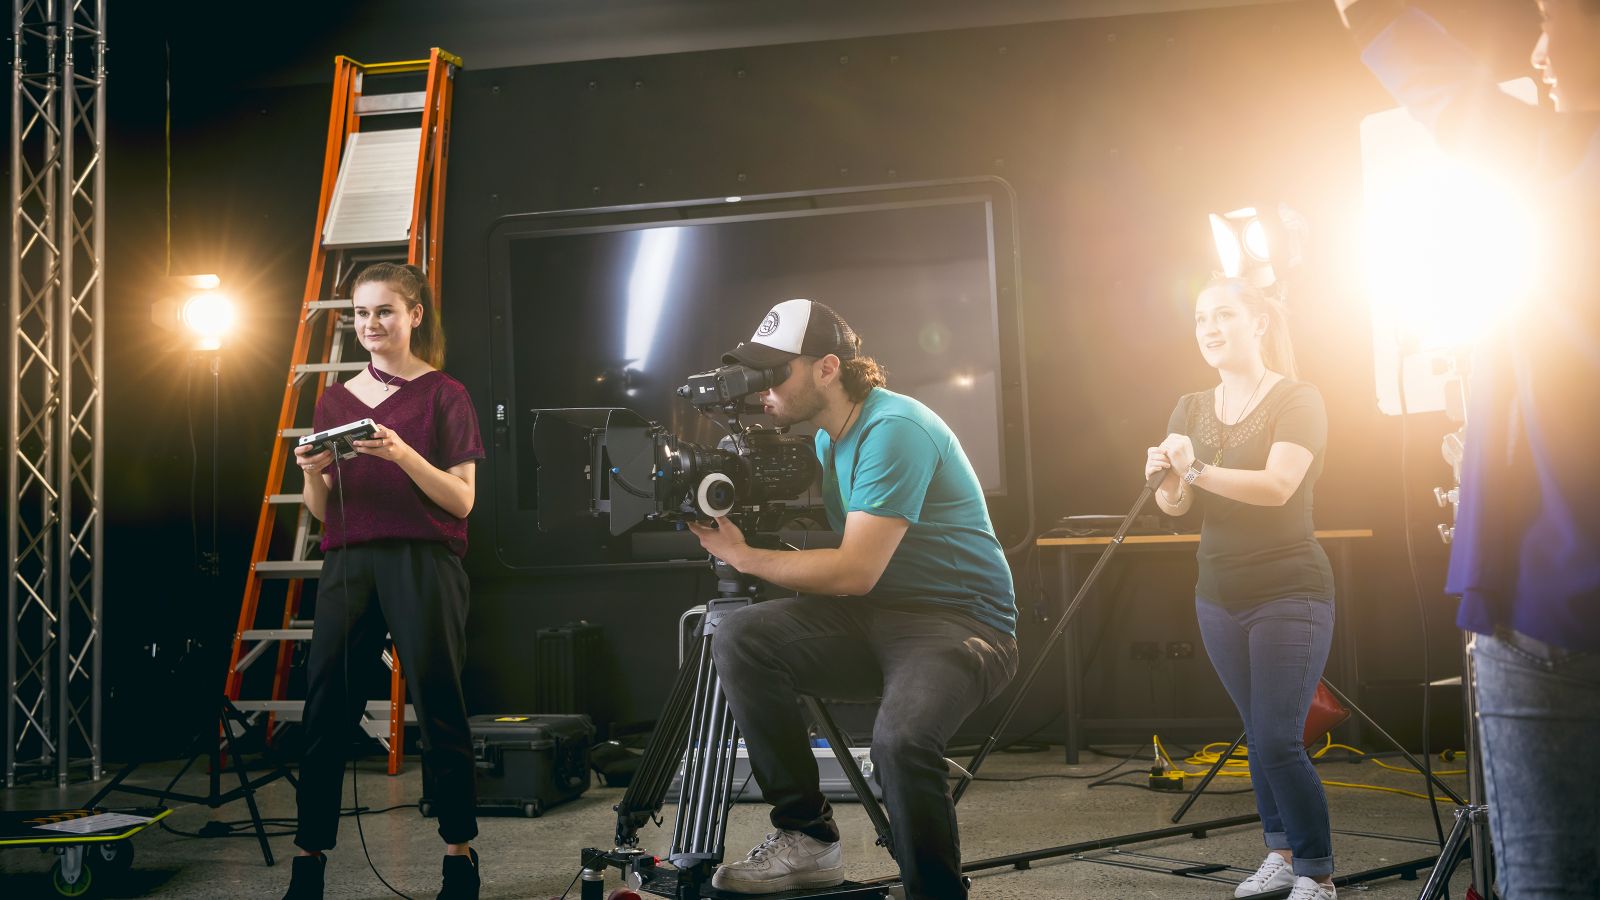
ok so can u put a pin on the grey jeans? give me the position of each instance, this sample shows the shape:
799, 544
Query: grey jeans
1539, 719
932, 668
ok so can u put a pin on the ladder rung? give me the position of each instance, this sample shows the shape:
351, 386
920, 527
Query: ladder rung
280, 499
285, 568
310, 368
277, 634
318, 307
295, 433
377, 728
293, 710
392, 104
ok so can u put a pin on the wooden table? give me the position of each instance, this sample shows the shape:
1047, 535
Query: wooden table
1069, 551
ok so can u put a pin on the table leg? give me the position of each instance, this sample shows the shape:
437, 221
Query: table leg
1072, 678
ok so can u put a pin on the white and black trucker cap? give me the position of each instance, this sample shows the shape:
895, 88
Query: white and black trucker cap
796, 328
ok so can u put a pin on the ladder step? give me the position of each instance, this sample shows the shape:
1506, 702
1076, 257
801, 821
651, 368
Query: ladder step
315, 368
392, 104
277, 634
285, 568
281, 499
318, 307
377, 712
304, 370
295, 433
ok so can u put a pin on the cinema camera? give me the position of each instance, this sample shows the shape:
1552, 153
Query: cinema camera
633, 470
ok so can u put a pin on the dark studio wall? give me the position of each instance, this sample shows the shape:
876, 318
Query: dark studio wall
1117, 134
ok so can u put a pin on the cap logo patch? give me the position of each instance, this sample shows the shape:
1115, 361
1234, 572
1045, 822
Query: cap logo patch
768, 325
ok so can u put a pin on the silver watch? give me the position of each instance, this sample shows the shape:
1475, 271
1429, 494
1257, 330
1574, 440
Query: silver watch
1195, 468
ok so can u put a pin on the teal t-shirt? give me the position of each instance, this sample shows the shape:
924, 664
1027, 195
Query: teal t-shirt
900, 459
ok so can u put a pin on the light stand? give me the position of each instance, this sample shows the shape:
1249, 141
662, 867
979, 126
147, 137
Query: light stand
1055, 635
1407, 870
1366, 719
215, 731
209, 561
1470, 834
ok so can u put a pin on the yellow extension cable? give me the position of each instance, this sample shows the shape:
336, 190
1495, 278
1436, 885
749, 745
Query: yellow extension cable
1238, 765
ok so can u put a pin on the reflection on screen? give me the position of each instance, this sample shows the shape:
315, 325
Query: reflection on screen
619, 316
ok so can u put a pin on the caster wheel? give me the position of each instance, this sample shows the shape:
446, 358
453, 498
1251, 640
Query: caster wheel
623, 894
112, 858
80, 888
426, 809
533, 810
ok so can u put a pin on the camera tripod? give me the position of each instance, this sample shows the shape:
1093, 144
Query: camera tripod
1469, 837
1470, 834
697, 730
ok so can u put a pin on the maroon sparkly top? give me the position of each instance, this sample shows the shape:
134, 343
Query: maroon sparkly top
433, 414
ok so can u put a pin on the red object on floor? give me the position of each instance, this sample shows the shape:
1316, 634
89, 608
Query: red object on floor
623, 894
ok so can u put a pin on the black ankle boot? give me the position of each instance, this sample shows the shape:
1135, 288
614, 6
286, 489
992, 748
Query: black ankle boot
305, 878
460, 877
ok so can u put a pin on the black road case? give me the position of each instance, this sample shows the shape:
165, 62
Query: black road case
526, 763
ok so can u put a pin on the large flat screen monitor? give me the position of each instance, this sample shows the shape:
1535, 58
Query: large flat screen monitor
615, 307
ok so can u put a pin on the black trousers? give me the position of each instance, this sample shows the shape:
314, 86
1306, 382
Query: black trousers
416, 591
932, 669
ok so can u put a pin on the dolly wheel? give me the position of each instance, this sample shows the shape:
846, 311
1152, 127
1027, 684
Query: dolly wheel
79, 888
112, 857
533, 810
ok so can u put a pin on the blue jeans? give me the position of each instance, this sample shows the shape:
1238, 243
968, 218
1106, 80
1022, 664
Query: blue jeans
1539, 719
1270, 658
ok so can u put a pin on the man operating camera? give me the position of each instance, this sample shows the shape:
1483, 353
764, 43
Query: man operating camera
915, 605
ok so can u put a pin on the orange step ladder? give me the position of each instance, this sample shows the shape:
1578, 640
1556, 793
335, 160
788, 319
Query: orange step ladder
382, 200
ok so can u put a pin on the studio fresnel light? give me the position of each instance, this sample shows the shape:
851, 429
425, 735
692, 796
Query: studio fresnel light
197, 306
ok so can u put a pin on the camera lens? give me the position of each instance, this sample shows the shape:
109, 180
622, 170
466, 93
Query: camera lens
720, 494
715, 495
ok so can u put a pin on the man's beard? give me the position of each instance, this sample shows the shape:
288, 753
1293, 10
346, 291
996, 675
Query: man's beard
802, 407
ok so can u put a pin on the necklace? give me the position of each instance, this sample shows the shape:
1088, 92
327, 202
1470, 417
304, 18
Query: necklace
386, 381
1227, 429
834, 444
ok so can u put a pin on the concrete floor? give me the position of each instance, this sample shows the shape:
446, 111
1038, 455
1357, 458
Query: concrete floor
525, 858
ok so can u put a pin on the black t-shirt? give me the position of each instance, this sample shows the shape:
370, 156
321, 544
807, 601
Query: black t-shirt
1252, 554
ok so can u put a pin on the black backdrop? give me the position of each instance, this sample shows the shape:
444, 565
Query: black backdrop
1118, 135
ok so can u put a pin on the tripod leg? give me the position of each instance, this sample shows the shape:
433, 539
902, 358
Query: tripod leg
1417, 764
647, 792
708, 772
1456, 848
1206, 781
245, 787
852, 772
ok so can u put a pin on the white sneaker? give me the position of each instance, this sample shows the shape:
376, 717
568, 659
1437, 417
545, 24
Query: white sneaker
1275, 873
1311, 889
785, 861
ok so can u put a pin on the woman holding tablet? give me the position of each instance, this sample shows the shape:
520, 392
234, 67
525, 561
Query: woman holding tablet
394, 532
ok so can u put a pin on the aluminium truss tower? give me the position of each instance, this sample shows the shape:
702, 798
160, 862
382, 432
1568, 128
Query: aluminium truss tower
55, 449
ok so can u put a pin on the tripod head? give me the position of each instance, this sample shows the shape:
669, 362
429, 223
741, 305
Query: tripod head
732, 583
